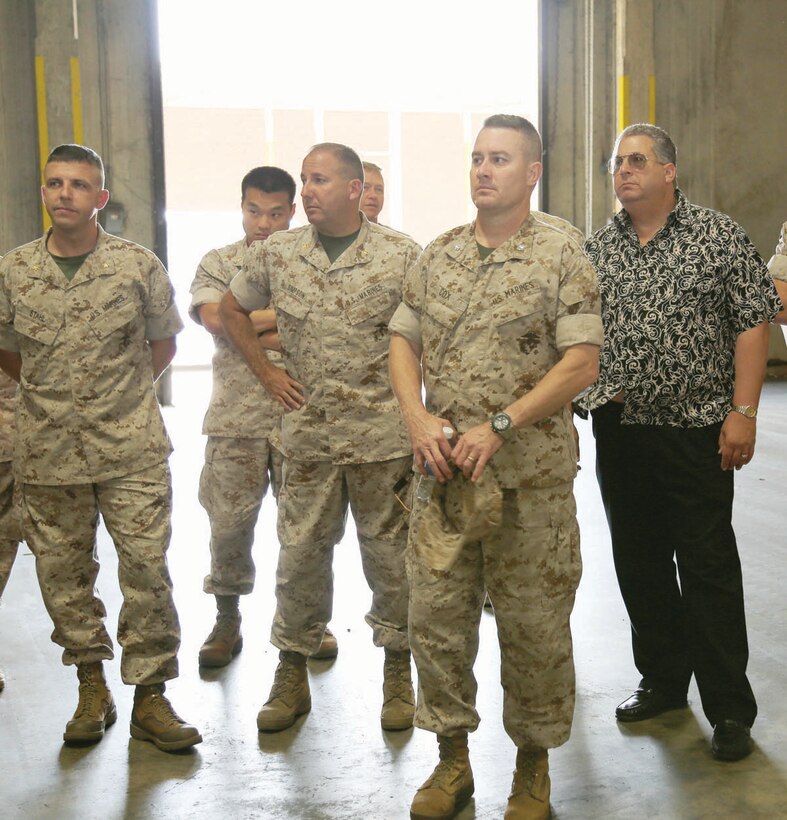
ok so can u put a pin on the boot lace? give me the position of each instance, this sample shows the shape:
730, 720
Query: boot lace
162, 710
525, 774
449, 770
396, 679
225, 628
284, 680
89, 699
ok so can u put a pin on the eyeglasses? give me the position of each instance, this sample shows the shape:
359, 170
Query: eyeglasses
637, 162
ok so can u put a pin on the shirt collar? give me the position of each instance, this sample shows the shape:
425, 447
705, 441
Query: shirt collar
679, 214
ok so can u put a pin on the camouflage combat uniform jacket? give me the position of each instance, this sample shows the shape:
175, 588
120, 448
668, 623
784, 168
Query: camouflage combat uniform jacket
87, 408
492, 329
333, 328
240, 407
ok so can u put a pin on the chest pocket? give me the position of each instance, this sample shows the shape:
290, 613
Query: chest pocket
291, 315
379, 308
290, 310
519, 317
107, 324
40, 327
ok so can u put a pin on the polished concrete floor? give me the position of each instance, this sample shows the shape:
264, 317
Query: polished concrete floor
336, 762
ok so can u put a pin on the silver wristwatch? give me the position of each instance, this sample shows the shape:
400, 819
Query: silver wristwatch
748, 410
502, 425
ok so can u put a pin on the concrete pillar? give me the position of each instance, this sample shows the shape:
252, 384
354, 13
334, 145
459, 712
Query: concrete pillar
20, 210
578, 95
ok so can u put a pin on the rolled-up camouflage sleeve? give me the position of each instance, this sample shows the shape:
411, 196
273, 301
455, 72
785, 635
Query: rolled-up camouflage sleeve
406, 321
8, 338
252, 287
579, 311
208, 286
777, 266
162, 319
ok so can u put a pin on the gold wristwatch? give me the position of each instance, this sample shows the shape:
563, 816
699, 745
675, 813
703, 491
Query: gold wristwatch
748, 410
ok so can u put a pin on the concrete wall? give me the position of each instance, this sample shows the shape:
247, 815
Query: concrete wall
719, 69
100, 76
20, 213
721, 75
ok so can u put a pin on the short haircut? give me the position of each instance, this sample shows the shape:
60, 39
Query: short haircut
70, 152
269, 179
348, 159
663, 146
370, 166
526, 128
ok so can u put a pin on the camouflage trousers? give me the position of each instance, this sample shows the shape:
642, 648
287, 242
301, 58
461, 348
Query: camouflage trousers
522, 546
9, 525
234, 480
60, 522
312, 513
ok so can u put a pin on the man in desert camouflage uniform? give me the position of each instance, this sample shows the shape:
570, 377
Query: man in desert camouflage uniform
240, 463
9, 526
777, 267
335, 285
505, 314
87, 322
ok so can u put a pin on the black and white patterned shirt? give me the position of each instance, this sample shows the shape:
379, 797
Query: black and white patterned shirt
672, 311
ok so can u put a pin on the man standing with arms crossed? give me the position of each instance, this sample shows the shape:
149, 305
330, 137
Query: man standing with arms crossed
504, 315
686, 305
335, 285
87, 324
240, 462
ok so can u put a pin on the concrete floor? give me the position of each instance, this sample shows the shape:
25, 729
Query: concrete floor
336, 762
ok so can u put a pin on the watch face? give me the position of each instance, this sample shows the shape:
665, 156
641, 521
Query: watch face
500, 423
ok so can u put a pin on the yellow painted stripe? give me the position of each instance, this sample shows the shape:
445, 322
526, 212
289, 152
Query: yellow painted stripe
652, 99
624, 102
76, 101
43, 128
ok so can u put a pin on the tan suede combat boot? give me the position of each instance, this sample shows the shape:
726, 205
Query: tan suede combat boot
398, 696
450, 785
329, 647
529, 798
153, 719
289, 697
96, 708
225, 640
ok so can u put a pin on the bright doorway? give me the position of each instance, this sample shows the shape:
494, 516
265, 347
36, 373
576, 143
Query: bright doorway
407, 85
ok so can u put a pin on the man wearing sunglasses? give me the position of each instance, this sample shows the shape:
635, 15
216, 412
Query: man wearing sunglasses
686, 304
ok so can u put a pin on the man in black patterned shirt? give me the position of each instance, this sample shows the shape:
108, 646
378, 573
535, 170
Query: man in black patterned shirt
686, 301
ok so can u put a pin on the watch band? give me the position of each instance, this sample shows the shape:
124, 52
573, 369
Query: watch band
748, 410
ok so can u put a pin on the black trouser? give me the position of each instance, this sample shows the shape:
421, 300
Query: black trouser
667, 498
